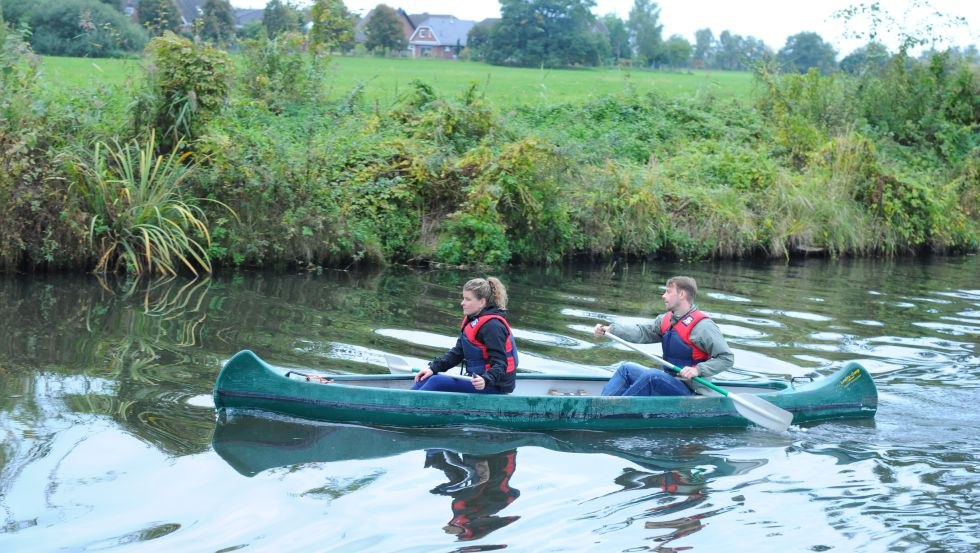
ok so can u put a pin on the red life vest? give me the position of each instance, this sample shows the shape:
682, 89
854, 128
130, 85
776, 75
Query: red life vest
475, 355
676, 340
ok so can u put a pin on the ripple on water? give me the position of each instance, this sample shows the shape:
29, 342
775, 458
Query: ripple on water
145, 534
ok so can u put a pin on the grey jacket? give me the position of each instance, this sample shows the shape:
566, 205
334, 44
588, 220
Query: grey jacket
705, 335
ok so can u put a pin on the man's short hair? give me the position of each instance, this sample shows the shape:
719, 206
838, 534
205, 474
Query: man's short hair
685, 283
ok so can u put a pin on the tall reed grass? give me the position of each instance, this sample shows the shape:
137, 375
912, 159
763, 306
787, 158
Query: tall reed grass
141, 221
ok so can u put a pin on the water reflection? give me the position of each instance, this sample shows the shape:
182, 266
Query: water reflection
479, 486
664, 483
86, 366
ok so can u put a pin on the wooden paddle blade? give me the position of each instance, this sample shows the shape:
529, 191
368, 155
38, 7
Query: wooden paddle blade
762, 412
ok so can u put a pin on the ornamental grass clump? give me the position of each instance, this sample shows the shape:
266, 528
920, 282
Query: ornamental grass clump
140, 221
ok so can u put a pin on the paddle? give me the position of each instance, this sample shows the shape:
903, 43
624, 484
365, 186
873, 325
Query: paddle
397, 364
751, 407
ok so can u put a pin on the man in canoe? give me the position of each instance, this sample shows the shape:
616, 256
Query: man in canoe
690, 340
485, 347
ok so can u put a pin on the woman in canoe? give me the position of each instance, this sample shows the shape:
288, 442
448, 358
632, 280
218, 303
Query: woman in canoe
485, 347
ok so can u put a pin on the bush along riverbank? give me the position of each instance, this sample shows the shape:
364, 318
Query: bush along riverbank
254, 161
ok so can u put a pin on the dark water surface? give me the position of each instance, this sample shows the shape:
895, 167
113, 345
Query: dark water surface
110, 440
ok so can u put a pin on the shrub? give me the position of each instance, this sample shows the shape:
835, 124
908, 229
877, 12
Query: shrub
187, 84
83, 28
277, 72
140, 221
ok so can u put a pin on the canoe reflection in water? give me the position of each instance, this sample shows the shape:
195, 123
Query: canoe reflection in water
677, 490
479, 464
480, 488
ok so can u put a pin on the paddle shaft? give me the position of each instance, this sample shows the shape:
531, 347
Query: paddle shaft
754, 408
456, 376
666, 363
403, 366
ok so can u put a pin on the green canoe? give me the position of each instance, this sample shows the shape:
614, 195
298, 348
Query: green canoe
540, 402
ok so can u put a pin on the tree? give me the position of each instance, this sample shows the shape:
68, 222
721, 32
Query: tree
118, 4
279, 18
729, 51
676, 52
549, 33
333, 26
805, 50
704, 48
158, 16
619, 36
217, 20
754, 52
645, 30
384, 31
81, 28
477, 39
873, 56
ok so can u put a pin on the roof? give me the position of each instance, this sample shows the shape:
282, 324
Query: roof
245, 16
189, 9
446, 28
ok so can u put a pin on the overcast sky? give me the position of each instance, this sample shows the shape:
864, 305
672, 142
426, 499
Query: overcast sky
770, 20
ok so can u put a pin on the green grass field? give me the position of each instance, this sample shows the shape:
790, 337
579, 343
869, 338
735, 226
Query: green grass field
385, 79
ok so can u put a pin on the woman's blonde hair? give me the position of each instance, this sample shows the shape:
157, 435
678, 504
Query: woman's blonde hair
490, 289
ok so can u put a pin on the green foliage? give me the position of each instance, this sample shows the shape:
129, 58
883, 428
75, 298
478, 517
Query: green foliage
935, 103
281, 17
460, 125
333, 26
676, 52
477, 40
186, 86
83, 28
476, 236
384, 31
617, 210
294, 181
277, 72
412, 175
25, 208
141, 222
158, 16
544, 33
217, 21
619, 38
645, 31
715, 164
807, 51
804, 109
519, 191
872, 57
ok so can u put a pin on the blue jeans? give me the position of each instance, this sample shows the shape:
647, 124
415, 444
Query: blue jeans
444, 383
633, 379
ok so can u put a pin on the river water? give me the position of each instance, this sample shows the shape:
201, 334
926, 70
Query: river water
110, 441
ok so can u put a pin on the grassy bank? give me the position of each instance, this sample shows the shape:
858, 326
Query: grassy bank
272, 158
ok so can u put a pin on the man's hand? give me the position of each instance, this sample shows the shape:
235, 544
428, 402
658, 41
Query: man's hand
599, 330
688, 373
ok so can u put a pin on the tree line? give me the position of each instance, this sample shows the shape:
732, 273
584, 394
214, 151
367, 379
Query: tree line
529, 33
563, 33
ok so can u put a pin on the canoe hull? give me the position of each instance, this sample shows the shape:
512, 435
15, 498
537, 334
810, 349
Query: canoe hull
247, 382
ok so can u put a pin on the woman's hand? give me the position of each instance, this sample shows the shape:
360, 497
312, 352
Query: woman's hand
423, 374
478, 382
